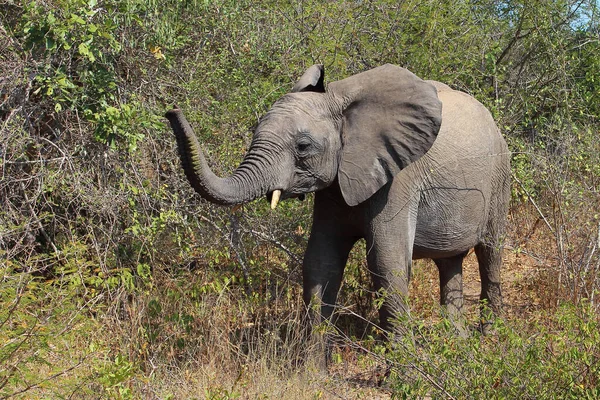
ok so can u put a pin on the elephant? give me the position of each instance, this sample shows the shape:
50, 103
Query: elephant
413, 167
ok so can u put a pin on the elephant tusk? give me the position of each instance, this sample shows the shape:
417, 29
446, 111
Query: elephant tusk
275, 199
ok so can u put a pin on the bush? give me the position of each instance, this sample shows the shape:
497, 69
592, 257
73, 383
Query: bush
114, 273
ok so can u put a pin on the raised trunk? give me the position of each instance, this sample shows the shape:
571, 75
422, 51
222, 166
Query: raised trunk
247, 183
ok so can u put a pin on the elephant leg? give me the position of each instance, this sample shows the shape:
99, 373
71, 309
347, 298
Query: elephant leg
451, 285
489, 258
489, 253
390, 265
323, 269
451, 289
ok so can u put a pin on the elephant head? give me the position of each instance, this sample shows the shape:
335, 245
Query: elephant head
360, 131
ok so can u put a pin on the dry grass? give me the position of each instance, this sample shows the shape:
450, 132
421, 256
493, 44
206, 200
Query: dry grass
248, 354
232, 350
188, 337
116, 282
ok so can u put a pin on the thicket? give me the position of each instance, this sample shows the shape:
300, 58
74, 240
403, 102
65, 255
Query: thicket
117, 281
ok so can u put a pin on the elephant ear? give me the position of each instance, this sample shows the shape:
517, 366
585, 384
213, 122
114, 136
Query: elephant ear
312, 80
391, 119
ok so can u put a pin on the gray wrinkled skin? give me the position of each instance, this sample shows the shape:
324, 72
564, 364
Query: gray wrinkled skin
415, 168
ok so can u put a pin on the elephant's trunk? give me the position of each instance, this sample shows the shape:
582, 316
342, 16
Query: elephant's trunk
247, 183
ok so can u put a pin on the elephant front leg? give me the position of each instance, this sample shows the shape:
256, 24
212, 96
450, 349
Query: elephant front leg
390, 264
323, 269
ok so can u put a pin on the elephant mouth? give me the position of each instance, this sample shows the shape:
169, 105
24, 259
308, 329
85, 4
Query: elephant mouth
274, 196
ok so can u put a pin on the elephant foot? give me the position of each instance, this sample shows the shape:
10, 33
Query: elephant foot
486, 327
382, 375
460, 327
487, 318
318, 351
456, 319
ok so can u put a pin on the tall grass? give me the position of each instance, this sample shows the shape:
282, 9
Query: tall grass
116, 281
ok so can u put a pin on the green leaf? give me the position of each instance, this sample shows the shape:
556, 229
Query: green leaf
112, 112
84, 50
50, 43
76, 18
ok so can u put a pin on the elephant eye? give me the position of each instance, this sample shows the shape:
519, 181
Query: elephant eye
304, 145
307, 146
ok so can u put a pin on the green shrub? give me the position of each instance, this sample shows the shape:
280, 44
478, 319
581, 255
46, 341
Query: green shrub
110, 260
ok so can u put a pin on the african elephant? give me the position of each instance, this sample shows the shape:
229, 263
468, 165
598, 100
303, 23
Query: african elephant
417, 169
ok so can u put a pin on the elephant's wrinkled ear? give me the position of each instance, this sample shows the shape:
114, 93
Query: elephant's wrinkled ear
312, 80
392, 119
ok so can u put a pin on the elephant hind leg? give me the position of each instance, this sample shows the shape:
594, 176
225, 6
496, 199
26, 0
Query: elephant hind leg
489, 257
489, 251
451, 284
451, 289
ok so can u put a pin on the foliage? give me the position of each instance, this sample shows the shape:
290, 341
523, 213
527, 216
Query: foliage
554, 358
113, 272
77, 52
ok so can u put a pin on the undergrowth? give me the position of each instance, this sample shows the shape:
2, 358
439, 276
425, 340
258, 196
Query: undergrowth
117, 281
